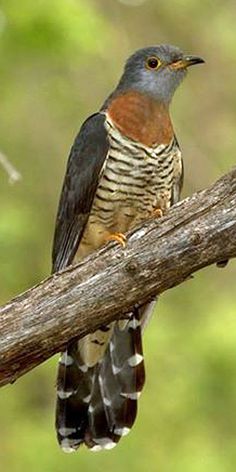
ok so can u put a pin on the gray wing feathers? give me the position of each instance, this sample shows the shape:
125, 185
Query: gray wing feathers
84, 166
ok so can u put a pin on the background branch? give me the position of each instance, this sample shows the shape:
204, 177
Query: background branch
13, 174
198, 231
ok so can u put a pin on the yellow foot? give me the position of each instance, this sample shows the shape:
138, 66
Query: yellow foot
118, 237
157, 213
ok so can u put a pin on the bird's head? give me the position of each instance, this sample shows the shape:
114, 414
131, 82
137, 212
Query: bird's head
156, 71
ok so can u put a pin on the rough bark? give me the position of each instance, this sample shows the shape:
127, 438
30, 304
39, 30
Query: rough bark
198, 231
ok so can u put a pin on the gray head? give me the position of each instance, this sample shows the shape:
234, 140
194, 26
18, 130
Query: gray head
156, 71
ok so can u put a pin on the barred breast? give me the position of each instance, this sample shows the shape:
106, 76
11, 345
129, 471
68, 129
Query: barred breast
136, 179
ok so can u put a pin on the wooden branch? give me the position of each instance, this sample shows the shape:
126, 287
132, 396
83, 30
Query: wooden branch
198, 231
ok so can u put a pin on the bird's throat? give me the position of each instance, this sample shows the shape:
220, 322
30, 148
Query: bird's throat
141, 118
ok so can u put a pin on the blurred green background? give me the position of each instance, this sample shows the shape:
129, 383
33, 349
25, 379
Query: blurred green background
58, 61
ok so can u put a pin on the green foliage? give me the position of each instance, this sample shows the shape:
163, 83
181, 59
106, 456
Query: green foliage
59, 60
50, 28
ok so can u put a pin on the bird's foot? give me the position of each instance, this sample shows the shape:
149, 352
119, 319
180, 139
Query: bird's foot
157, 213
118, 237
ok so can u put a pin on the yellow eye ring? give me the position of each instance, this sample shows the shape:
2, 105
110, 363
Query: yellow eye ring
153, 63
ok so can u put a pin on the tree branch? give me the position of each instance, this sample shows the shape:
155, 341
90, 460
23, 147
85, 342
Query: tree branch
13, 174
198, 231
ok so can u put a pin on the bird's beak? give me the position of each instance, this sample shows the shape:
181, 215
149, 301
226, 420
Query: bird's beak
192, 60
186, 61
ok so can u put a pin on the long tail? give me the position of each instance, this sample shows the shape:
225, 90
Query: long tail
99, 381
74, 385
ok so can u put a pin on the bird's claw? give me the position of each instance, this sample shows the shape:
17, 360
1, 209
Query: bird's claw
157, 213
118, 237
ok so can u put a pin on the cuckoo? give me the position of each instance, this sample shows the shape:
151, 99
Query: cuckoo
125, 166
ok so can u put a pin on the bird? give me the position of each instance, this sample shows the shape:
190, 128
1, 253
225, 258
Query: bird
124, 167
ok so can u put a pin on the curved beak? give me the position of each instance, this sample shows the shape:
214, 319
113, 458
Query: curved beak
186, 61
192, 60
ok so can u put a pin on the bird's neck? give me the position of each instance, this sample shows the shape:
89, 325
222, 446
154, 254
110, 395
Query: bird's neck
141, 118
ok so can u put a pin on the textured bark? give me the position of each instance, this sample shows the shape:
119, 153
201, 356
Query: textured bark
198, 231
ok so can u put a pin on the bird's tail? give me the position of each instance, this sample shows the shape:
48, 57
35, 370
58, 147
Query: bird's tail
97, 399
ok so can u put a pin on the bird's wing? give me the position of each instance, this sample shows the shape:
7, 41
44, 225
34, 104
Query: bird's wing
85, 164
178, 173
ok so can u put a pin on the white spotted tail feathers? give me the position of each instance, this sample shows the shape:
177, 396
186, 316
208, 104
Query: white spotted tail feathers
97, 396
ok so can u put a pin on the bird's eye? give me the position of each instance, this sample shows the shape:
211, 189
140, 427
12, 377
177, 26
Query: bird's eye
153, 62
